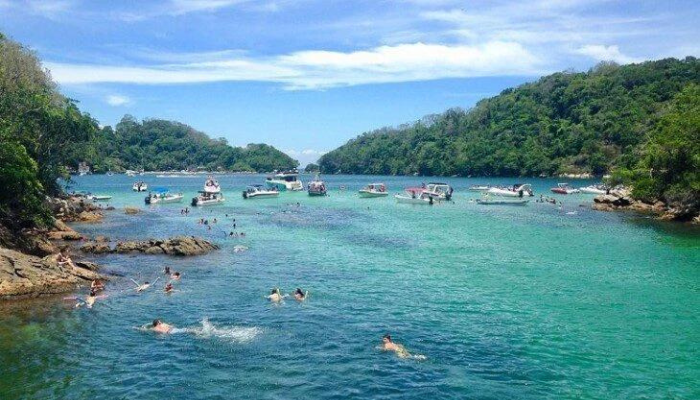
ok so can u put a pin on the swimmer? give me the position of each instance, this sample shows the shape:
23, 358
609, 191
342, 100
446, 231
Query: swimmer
161, 327
166, 270
275, 296
299, 295
97, 285
141, 287
176, 276
90, 299
169, 288
390, 345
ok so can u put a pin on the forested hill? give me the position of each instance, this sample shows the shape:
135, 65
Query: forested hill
157, 145
563, 123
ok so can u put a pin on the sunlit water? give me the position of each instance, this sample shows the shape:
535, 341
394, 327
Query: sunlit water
505, 302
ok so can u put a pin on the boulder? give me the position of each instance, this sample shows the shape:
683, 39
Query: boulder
89, 216
96, 248
129, 247
102, 239
65, 235
154, 250
131, 210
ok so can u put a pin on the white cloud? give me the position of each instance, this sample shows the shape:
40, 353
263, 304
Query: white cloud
315, 69
606, 53
179, 7
117, 100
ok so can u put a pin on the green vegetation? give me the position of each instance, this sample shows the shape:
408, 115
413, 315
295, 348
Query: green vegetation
157, 145
311, 167
38, 127
567, 122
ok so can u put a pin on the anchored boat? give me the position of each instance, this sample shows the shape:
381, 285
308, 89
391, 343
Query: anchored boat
564, 188
517, 190
594, 189
439, 190
488, 199
258, 191
374, 190
317, 187
163, 196
288, 180
139, 186
210, 195
413, 196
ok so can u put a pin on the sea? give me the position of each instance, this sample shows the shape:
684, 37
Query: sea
539, 301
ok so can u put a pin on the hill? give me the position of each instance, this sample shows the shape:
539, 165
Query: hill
157, 145
590, 122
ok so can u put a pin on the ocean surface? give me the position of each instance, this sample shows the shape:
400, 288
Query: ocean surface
533, 302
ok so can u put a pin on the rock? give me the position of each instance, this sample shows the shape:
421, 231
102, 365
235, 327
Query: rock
65, 235
659, 207
177, 246
129, 247
61, 226
131, 210
89, 216
110, 208
22, 275
102, 239
154, 250
96, 248
641, 207
187, 246
603, 207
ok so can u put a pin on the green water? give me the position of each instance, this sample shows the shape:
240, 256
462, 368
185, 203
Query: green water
505, 302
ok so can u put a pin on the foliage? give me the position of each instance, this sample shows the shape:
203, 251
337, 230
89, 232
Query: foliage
155, 144
311, 167
563, 123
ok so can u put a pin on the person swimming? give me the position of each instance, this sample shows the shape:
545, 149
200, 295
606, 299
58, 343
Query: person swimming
389, 345
144, 286
161, 327
97, 285
169, 288
90, 299
176, 276
166, 270
275, 296
300, 295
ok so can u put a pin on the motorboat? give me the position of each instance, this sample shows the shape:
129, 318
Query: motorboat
259, 191
207, 198
517, 190
412, 196
489, 199
84, 169
374, 190
564, 188
317, 187
479, 188
130, 172
97, 197
593, 189
212, 186
439, 190
139, 186
163, 196
288, 180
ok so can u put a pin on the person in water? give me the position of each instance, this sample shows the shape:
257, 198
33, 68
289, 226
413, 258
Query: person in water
90, 299
300, 295
275, 296
169, 288
389, 345
97, 285
161, 327
176, 276
166, 271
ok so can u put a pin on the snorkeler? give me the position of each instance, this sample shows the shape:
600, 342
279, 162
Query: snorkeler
300, 295
161, 327
275, 296
166, 270
390, 345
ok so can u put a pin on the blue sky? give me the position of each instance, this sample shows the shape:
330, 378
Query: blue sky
307, 75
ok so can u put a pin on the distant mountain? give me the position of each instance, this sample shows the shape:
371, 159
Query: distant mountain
563, 123
157, 145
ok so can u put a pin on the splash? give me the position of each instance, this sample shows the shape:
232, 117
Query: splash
230, 333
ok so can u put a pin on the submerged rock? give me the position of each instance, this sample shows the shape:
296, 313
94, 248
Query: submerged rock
177, 246
131, 210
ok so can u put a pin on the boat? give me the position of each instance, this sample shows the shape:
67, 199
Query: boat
97, 197
288, 180
479, 188
259, 191
83, 169
374, 190
517, 190
206, 199
413, 196
594, 189
129, 172
564, 188
163, 196
439, 190
110, 173
212, 186
489, 199
139, 186
317, 187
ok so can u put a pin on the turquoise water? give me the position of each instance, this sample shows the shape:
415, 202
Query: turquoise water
505, 302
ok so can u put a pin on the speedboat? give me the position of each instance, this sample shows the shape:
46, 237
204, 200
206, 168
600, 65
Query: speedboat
517, 190
413, 196
130, 172
593, 189
207, 198
439, 190
139, 186
288, 180
163, 196
374, 190
212, 186
488, 199
479, 188
317, 187
97, 197
258, 191
564, 188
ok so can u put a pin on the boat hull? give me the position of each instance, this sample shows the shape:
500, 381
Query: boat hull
592, 191
174, 199
411, 200
366, 194
502, 202
295, 186
247, 195
201, 203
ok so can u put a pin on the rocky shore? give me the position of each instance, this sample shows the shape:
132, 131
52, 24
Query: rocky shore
177, 246
621, 200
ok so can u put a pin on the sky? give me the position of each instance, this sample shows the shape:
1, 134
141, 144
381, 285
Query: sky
307, 75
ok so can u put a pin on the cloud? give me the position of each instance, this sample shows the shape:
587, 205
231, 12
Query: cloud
180, 7
117, 100
317, 69
606, 53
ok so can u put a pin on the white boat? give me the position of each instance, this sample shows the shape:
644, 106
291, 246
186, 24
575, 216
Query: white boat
593, 189
317, 187
518, 190
139, 186
258, 191
501, 200
97, 197
288, 180
130, 172
374, 190
163, 197
212, 186
479, 188
564, 188
206, 199
439, 190
414, 197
